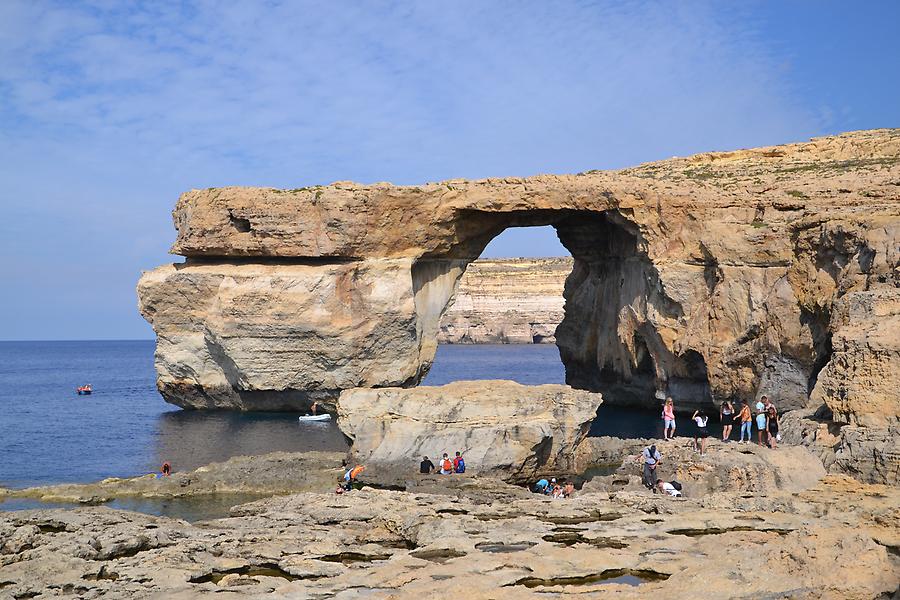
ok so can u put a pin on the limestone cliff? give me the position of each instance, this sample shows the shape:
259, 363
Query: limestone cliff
507, 301
721, 275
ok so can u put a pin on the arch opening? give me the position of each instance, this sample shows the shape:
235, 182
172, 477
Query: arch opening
609, 338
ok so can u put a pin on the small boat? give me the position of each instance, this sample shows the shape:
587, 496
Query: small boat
84, 390
306, 418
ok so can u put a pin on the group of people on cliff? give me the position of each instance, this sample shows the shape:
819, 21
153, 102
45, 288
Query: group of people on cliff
447, 466
764, 415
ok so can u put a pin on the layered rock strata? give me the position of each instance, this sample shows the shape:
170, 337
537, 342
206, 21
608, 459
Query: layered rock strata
507, 301
721, 275
498, 426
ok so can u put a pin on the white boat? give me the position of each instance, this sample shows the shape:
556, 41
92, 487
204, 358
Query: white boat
325, 417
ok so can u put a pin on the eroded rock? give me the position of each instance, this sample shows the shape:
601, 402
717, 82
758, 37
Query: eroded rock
497, 425
406, 545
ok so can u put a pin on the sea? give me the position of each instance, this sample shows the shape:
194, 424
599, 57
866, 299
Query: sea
50, 435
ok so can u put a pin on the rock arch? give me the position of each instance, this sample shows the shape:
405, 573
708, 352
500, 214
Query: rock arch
702, 271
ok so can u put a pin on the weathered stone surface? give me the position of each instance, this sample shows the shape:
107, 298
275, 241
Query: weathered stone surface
837, 540
262, 336
861, 382
867, 453
722, 275
497, 425
725, 467
273, 473
507, 301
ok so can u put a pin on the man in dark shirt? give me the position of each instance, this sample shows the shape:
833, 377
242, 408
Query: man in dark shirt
426, 466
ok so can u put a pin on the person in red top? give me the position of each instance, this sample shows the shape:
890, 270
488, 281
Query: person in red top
459, 464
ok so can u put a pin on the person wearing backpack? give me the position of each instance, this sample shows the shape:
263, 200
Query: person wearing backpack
446, 465
459, 464
651, 458
672, 488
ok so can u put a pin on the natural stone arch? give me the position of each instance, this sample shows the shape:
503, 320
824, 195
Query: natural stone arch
293, 295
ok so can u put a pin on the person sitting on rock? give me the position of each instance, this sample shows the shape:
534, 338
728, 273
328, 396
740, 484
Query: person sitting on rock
557, 492
551, 487
426, 467
166, 469
446, 465
541, 486
351, 475
459, 464
569, 490
651, 458
665, 487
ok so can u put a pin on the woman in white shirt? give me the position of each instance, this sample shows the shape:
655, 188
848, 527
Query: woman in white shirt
702, 432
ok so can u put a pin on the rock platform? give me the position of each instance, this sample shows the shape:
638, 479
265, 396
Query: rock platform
476, 538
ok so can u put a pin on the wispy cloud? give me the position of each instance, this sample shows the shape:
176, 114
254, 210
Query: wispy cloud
109, 109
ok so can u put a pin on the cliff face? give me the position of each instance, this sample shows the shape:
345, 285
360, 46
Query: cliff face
721, 275
507, 301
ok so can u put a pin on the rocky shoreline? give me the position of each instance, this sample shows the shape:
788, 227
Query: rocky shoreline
754, 523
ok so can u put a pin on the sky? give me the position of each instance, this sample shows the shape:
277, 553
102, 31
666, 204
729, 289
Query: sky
109, 110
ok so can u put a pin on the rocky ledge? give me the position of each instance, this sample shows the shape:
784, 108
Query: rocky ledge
475, 536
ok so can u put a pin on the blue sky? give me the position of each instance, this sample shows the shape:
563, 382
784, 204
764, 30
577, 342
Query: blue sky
108, 110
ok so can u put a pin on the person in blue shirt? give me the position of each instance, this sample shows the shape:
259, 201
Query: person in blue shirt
459, 463
541, 486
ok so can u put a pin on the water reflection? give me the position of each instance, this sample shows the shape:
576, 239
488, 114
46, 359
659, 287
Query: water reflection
190, 439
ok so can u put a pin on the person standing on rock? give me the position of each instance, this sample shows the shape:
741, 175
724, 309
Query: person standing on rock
426, 467
702, 432
651, 458
726, 416
668, 415
772, 427
761, 420
746, 422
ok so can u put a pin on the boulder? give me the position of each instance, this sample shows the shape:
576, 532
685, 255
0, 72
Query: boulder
498, 426
870, 454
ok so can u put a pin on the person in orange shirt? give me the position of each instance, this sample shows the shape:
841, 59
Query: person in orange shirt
746, 422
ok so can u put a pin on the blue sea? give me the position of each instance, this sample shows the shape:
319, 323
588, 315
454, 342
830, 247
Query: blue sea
49, 435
